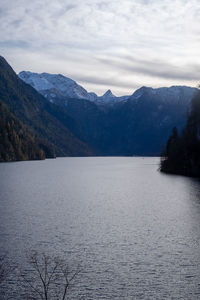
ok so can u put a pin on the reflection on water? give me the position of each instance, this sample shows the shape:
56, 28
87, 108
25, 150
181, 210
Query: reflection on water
135, 232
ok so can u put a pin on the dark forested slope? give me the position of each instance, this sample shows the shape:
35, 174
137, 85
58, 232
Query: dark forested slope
182, 153
17, 143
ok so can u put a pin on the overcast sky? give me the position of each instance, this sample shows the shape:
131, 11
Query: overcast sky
121, 45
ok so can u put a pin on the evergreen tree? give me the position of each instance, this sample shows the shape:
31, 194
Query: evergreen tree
17, 142
182, 154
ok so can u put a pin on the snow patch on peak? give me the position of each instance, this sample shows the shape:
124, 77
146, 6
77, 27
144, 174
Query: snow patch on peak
64, 86
38, 81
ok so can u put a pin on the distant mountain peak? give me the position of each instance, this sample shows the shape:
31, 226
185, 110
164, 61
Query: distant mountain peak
165, 94
108, 94
139, 92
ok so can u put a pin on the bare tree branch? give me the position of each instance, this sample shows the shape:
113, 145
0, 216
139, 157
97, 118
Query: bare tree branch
49, 277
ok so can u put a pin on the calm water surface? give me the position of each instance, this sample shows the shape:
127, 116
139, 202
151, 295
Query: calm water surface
135, 232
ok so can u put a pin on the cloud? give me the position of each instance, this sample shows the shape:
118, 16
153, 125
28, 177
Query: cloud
133, 41
155, 68
106, 81
14, 44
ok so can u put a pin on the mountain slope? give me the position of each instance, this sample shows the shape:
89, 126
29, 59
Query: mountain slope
148, 117
44, 120
140, 125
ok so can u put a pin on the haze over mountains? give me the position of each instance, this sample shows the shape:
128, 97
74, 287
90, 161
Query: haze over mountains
138, 124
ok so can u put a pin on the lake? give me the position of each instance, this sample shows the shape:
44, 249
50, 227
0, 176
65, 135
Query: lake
134, 231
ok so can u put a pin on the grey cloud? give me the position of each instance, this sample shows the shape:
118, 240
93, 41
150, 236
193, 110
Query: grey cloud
69, 7
102, 5
72, 34
115, 82
16, 23
14, 44
155, 68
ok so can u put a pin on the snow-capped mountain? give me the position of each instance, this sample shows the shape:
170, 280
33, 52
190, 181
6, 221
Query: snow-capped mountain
54, 86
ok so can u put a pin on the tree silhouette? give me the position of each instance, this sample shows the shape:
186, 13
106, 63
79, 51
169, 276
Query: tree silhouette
48, 277
182, 153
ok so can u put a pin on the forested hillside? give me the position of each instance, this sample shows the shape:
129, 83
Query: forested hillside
17, 143
182, 153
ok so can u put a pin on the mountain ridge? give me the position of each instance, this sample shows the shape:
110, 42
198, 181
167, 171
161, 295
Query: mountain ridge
58, 85
139, 124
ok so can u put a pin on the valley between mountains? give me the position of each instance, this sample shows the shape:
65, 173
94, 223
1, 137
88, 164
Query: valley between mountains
66, 120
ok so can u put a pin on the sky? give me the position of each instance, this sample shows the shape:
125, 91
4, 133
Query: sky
117, 45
